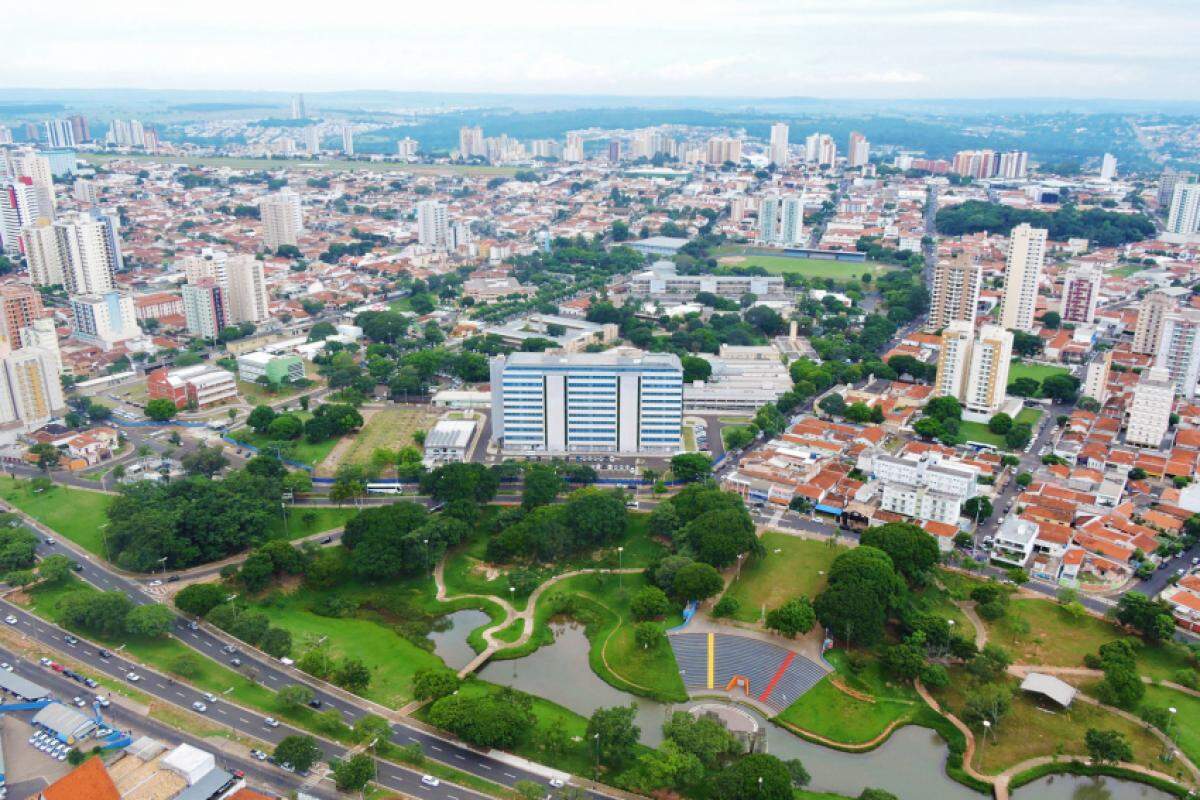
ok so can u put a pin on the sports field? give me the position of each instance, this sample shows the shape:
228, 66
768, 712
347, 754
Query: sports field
330, 165
808, 267
1039, 372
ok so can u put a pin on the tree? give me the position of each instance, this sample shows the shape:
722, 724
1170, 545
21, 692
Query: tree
1024, 479
696, 581
666, 767
354, 773
703, 737
649, 603
987, 703
1052, 320
294, 696
977, 508
1122, 685
1061, 388
1151, 618
758, 776
352, 675
432, 683
1000, 423
990, 663
48, 456
542, 485
1023, 387
648, 635
1018, 436
718, 536
613, 733
503, 719
54, 569
299, 751
1107, 747
876, 794
261, 418
102, 612
833, 404
276, 642
691, 467
695, 368
198, 599
793, 617
1026, 344
370, 727
913, 551
863, 586
206, 461
160, 409
149, 620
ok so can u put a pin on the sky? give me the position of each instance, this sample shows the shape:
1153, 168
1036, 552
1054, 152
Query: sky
1134, 49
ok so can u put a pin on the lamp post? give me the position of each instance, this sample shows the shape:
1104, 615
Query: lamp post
620, 566
987, 726
596, 770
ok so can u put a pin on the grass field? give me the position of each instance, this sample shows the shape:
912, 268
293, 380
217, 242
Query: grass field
298, 525
388, 429
75, 513
328, 165
294, 450
1038, 372
808, 267
1186, 733
978, 431
798, 568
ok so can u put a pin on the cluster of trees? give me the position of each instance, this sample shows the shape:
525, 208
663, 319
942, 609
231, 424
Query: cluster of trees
859, 412
1105, 228
194, 520
706, 525
211, 602
113, 614
400, 539
1060, 388
941, 419
328, 421
590, 518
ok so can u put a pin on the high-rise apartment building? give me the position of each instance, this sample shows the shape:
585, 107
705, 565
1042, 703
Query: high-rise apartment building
433, 224
105, 319
1095, 382
79, 127
955, 292
126, 133
347, 140
587, 402
1022, 271
1183, 218
1147, 333
1150, 411
1167, 183
781, 220
1108, 167
470, 141
245, 290
858, 153
298, 110
1081, 294
19, 306
59, 133
987, 382
21, 204
204, 308
312, 140
819, 148
720, 149
1013, 164
40, 243
927, 486
282, 219
573, 151
30, 390
954, 359
614, 150
1179, 350
777, 152
89, 250
407, 148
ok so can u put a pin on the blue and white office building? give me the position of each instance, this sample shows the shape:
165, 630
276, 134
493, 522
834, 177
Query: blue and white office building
612, 402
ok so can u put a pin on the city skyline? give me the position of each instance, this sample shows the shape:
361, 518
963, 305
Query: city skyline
863, 49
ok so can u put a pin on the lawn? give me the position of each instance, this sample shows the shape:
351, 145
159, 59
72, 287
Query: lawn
1033, 729
299, 450
75, 513
1187, 721
1055, 638
387, 429
791, 567
1038, 372
978, 431
808, 267
306, 520
325, 165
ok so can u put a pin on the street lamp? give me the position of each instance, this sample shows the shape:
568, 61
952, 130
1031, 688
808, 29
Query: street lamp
987, 726
620, 563
596, 771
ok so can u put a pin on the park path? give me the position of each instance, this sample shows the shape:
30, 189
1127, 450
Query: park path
968, 609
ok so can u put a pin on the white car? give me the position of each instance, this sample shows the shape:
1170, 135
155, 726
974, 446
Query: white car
271, 722
103, 701
78, 701
556, 783
7, 667
198, 706
133, 677
429, 780
156, 582
10, 619
209, 697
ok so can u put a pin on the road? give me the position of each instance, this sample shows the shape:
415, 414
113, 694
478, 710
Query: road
274, 676
258, 773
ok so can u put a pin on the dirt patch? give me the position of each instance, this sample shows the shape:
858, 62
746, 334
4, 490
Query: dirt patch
731, 260
844, 689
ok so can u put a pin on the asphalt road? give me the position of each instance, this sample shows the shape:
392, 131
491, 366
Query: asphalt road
274, 676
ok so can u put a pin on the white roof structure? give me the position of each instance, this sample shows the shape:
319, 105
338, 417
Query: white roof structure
1049, 686
450, 433
190, 762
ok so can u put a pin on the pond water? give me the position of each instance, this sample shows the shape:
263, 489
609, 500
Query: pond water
1076, 787
450, 644
910, 764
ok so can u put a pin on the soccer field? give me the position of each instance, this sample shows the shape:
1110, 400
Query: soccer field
808, 267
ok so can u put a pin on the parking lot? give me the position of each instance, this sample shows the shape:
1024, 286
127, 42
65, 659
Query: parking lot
27, 768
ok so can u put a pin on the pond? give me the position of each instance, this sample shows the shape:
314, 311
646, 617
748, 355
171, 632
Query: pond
902, 765
450, 644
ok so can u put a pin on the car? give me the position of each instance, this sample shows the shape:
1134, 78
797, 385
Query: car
327, 540
209, 697
45, 662
193, 625
258, 754
103, 701
132, 677
156, 582
78, 701
69, 639
235, 662
91, 684
10, 619
271, 722
75, 565
314, 703
429, 780
173, 579
198, 706
229, 649
556, 783
103, 653
50, 541
286, 767
237, 773
62, 756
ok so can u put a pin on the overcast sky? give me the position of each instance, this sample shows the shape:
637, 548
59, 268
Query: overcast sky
1138, 49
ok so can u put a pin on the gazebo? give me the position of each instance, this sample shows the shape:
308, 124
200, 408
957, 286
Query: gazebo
1049, 686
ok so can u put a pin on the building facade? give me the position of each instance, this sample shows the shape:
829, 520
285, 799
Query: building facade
1081, 295
282, 219
587, 403
955, 292
1153, 312
1150, 411
925, 487
1179, 350
105, 319
1022, 271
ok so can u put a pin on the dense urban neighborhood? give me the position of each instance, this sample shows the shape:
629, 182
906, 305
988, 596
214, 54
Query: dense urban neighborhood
674, 460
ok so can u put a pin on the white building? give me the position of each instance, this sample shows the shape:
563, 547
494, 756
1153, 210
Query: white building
1081, 294
588, 402
781, 220
662, 282
1108, 167
819, 148
1183, 219
743, 379
246, 298
312, 140
1150, 411
448, 442
204, 308
41, 252
59, 133
973, 368
858, 154
407, 148
347, 140
282, 219
1179, 350
1152, 313
955, 292
1015, 541
927, 487
105, 319
433, 229
1095, 383
89, 251
1023, 270
778, 150
30, 389
21, 203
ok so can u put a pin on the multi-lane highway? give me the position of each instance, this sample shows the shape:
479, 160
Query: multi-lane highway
273, 675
